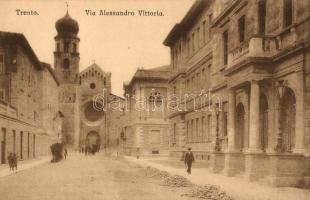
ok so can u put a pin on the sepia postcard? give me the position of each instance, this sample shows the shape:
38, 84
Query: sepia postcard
155, 99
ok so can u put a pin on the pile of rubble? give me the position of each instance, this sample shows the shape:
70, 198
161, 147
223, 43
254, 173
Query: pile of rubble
155, 173
177, 181
209, 192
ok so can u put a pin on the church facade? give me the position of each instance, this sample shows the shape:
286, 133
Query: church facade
86, 121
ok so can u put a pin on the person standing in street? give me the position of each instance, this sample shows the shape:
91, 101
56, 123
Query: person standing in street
15, 161
189, 159
10, 161
65, 153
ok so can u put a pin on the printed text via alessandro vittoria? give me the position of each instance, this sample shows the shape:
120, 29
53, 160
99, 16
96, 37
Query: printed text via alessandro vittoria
141, 13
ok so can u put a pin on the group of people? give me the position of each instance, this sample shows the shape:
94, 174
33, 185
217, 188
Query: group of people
89, 149
12, 159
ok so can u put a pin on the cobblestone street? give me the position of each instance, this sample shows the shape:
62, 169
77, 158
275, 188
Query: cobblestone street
98, 177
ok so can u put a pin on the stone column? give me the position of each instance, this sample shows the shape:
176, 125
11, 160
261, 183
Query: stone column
254, 139
231, 121
300, 114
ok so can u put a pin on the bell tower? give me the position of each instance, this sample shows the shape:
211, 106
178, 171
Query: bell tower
66, 65
66, 55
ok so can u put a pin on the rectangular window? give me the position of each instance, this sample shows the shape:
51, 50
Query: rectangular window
261, 16
210, 24
187, 132
197, 130
14, 141
188, 85
193, 83
2, 71
3, 145
288, 12
204, 31
198, 80
192, 131
203, 137
203, 74
21, 145
34, 145
198, 38
208, 76
225, 46
241, 28
209, 128
28, 145
193, 43
2, 94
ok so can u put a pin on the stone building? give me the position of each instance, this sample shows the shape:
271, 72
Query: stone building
241, 71
85, 123
146, 126
24, 80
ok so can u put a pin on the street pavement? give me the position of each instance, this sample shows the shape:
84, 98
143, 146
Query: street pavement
237, 188
80, 177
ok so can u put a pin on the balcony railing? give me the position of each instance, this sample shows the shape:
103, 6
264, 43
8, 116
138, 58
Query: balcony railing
265, 46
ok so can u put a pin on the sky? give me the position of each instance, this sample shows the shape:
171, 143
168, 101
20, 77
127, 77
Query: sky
118, 44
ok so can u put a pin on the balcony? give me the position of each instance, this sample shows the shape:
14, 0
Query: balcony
266, 46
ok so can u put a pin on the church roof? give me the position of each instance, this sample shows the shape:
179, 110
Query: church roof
93, 66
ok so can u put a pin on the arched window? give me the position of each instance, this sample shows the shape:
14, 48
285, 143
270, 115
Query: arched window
155, 104
74, 48
240, 114
155, 99
58, 47
66, 47
288, 119
66, 63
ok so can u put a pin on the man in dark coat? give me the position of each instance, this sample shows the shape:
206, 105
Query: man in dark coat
189, 159
15, 158
11, 161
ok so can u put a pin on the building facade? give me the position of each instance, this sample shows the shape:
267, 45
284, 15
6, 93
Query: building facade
24, 130
241, 71
146, 125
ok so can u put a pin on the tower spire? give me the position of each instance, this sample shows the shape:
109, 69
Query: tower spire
67, 7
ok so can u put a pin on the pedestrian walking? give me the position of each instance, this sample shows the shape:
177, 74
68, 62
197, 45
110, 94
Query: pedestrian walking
10, 161
15, 157
65, 153
138, 153
189, 159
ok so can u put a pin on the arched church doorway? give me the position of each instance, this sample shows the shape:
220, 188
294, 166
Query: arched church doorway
93, 141
240, 115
